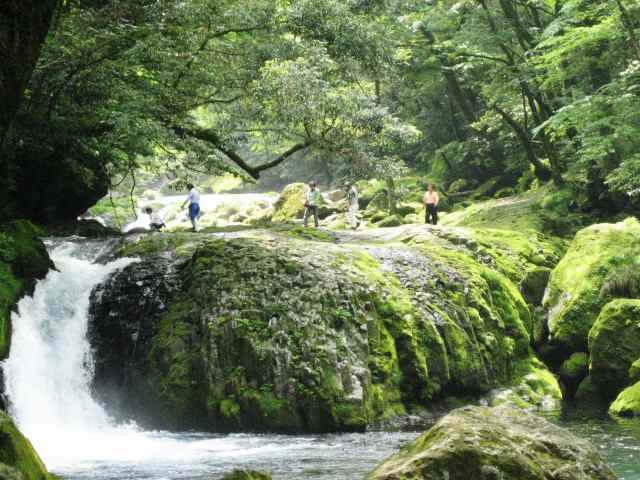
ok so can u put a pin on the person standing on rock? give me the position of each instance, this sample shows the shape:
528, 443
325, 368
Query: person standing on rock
352, 206
193, 199
311, 204
430, 201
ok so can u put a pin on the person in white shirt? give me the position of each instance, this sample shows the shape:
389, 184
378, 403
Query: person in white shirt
352, 206
155, 221
193, 199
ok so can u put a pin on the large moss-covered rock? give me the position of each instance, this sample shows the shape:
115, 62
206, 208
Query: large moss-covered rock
290, 203
18, 459
614, 343
489, 444
23, 260
575, 294
628, 402
276, 330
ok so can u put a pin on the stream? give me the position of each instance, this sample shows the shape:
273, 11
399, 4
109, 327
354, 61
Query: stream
48, 382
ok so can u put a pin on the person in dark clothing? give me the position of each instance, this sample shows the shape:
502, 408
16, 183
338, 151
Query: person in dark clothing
430, 201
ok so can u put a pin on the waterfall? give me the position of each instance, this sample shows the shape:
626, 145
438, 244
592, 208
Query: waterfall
49, 370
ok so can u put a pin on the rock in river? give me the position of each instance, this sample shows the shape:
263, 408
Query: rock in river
479, 443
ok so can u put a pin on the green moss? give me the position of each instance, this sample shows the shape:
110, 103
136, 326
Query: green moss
574, 370
587, 393
314, 234
634, 371
390, 221
574, 297
229, 409
511, 213
246, 475
290, 203
628, 402
614, 343
503, 442
17, 452
23, 260
333, 338
151, 244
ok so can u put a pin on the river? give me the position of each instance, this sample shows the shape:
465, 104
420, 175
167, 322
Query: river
48, 377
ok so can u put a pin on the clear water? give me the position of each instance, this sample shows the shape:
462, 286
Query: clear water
617, 441
48, 378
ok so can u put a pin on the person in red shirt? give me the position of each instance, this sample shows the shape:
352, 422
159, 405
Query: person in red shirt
430, 201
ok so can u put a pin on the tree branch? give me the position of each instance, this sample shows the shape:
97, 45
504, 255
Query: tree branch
212, 138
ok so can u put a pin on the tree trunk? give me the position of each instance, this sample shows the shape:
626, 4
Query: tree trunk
24, 24
391, 195
540, 170
628, 24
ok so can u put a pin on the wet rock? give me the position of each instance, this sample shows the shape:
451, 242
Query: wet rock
123, 320
490, 444
246, 475
287, 330
82, 228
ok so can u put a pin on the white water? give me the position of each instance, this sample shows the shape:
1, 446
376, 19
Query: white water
174, 216
48, 376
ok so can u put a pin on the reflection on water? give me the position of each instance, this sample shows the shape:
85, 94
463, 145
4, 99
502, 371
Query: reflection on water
618, 441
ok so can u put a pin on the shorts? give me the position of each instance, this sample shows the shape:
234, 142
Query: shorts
194, 210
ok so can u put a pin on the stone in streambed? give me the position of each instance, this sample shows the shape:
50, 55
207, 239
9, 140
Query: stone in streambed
628, 402
614, 343
573, 372
479, 443
246, 475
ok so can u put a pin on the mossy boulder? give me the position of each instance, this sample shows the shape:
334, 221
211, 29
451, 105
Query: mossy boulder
390, 221
534, 284
575, 293
23, 260
247, 475
500, 443
587, 393
290, 204
634, 371
17, 456
534, 387
627, 404
573, 371
614, 343
276, 330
